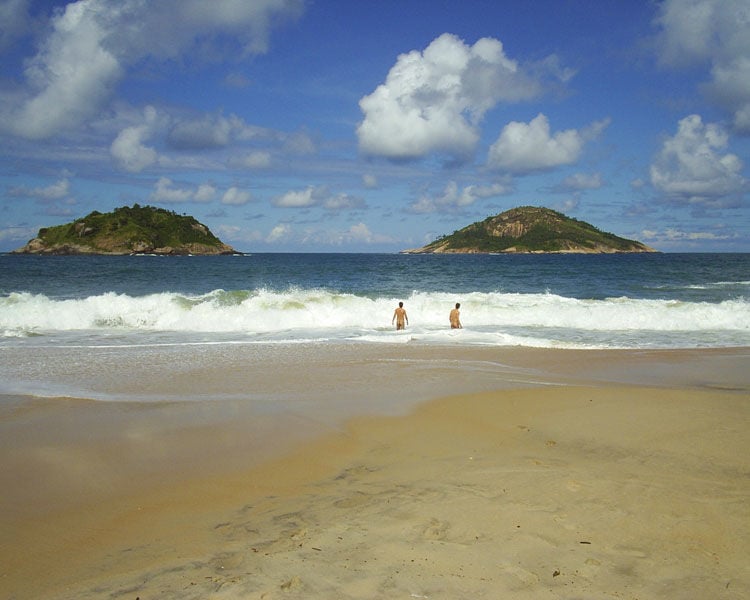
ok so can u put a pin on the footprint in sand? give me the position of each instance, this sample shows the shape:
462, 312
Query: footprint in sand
292, 518
292, 584
436, 530
354, 472
525, 576
353, 501
239, 531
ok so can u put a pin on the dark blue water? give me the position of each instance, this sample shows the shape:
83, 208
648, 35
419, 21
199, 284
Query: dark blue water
685, 277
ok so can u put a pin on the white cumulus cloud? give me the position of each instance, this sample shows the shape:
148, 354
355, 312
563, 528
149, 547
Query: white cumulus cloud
254, 160
165, 192
236, 197
129, 149
70, 77
92, 43
340, 202
318, 196
527, 147
693, 167
715, 33
55, 191
361, 231
279, 233
297, 198
432, 101
454, 198
205, 193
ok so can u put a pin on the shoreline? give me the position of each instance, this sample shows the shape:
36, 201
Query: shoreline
325, 374
256, 518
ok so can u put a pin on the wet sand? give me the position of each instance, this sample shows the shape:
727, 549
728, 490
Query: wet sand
537, 474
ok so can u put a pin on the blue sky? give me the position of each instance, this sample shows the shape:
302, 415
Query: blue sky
376, 126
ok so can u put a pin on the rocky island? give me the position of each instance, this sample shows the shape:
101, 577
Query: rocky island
530, 229
128, 230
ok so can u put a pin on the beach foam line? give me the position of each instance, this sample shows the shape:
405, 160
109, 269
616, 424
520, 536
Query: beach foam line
321, 311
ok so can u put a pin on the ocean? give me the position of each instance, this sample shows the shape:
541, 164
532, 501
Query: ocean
288, 329
551, 301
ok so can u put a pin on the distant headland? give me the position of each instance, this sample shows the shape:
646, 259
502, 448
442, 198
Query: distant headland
530, 229
128, 230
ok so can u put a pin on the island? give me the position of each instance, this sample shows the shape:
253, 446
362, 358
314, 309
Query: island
128, 230
530, 229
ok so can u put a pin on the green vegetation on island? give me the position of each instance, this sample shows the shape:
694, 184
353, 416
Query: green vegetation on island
530, 229
128, 230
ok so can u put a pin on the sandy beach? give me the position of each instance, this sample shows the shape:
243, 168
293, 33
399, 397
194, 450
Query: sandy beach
508, 474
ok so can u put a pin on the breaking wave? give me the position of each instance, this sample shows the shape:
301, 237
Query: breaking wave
293, 315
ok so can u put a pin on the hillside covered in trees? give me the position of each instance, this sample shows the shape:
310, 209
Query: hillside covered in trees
128, 230
530, 229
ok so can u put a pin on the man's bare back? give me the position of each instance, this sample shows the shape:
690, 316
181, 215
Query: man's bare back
455, 317
399, 316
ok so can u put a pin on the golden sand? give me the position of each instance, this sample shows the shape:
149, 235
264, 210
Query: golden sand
554, 491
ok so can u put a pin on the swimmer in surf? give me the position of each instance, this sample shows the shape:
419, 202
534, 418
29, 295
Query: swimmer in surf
399, 316
455, 317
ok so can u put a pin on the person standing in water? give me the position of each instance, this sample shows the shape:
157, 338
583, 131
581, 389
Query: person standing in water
455, 317
399, 316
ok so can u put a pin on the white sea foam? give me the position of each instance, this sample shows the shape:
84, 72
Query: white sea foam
320, 315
